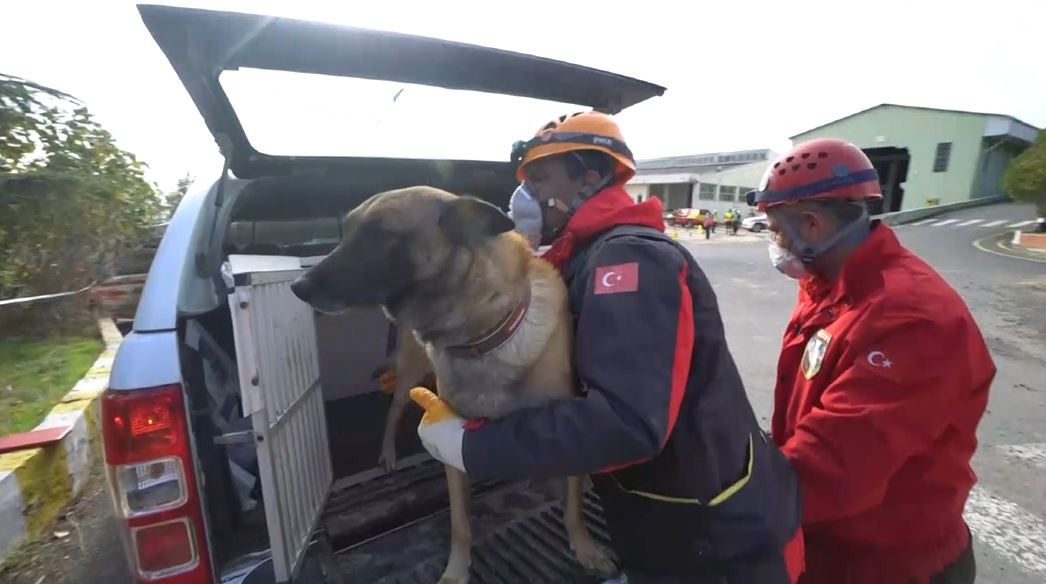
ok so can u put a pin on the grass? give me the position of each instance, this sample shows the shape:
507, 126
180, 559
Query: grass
34, 375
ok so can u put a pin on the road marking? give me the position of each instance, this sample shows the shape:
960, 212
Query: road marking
1008, 529
977, 244
946, 222
1033, 453
924, 222
995, 223
970, 222
1021, 223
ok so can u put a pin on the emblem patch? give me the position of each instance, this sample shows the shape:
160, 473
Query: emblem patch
616, 279
816, 347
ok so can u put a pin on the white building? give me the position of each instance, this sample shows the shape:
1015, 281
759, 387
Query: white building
717, 190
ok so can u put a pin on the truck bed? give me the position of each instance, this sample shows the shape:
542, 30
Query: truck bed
395, 529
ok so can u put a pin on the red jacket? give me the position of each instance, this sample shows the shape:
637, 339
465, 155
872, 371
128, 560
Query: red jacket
882, 381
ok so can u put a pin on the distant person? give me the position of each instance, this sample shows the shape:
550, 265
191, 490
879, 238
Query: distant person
881, 382
708, 225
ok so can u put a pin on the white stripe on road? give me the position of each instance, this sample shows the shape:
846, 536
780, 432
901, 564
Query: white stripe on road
1033, 453
970, 222
946, 221
1021, 223
1009, 530
924, 222
994, 223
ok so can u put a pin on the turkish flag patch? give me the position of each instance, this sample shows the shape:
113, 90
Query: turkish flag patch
617, 278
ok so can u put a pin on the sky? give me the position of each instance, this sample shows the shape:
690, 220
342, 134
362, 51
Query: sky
739, 75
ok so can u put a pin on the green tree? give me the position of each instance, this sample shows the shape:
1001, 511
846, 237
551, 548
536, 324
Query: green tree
69, 197
1025, 178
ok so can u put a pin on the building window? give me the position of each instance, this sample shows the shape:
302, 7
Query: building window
706, 192
940, 159
727, 193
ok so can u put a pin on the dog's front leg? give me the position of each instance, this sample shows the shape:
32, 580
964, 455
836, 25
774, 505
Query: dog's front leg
460, 559
400, 398
589, 554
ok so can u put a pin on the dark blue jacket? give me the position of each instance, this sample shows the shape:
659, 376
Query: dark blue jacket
689, 482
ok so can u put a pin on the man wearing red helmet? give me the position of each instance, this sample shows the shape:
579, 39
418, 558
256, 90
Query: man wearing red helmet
692, 489
882, 380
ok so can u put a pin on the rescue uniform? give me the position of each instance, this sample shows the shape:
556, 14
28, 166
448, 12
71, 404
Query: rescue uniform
691, 487
882, 380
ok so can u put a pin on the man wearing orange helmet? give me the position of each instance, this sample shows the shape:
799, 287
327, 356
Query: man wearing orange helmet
882, 380
693, 490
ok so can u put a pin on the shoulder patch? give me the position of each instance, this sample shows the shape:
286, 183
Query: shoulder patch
816, 347
616, 279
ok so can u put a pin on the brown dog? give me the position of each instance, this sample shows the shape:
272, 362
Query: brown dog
491, 317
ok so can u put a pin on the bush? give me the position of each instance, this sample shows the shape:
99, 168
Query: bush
69, 197
1025, 178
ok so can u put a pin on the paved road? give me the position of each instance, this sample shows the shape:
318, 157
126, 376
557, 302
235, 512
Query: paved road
1007, 297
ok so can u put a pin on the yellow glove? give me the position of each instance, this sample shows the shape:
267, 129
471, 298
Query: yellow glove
441, 430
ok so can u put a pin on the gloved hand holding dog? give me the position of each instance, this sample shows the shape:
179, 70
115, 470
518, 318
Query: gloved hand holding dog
441, 430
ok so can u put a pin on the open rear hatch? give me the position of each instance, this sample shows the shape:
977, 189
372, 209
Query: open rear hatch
201, 44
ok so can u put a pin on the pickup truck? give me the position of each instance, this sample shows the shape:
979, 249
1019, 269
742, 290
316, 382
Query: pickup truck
241, 430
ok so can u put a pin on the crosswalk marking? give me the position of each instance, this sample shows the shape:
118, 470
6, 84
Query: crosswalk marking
1008, 529
1021, 223
963, 222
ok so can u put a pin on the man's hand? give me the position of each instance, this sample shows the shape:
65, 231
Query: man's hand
441, 430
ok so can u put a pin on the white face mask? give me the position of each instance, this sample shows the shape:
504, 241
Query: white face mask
787, 262
525, 211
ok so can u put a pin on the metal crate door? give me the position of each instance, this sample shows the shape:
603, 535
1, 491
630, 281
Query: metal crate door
280, 388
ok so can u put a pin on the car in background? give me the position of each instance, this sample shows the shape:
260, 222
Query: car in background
755, 223
689, 217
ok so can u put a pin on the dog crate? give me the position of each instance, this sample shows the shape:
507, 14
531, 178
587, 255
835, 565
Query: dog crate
280, 390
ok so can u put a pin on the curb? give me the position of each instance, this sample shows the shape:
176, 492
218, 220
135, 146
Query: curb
36, 484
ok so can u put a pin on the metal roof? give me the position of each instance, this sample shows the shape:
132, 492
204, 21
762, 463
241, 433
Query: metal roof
917, 107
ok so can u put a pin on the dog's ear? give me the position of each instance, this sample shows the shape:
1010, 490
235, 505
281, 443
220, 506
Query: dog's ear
468, 221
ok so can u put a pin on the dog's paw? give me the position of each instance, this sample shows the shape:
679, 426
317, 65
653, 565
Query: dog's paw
594, 559
457, 570
448, 578
388, 459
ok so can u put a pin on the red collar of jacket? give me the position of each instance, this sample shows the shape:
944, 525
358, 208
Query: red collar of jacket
608, 208
861, 273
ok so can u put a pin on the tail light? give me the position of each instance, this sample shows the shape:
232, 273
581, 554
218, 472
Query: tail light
149, 461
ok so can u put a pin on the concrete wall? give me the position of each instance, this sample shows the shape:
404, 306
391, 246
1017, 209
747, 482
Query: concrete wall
993, 163
919, 131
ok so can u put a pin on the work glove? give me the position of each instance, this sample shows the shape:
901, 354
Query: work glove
441, 430
387, 378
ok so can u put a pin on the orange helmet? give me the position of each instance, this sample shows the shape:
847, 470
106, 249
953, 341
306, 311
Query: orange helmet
579, 131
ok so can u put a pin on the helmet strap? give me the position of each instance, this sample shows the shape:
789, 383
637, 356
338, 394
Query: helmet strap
586, 193
853, 232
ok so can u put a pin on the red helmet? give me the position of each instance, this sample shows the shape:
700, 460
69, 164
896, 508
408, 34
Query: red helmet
825, 168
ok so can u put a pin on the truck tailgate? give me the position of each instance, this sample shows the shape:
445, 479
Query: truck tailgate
396, 529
